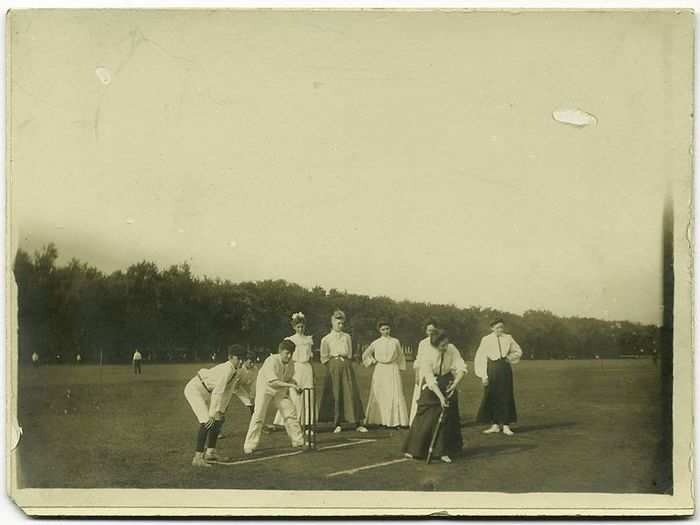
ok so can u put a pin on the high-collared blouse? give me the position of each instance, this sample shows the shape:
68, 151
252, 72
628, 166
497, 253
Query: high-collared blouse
385, 350
303, 347
435, 363
336, 344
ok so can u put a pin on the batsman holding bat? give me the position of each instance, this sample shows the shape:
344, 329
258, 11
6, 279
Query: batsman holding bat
435, 430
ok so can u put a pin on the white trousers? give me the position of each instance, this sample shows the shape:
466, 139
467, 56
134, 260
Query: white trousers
280, 401
198, 398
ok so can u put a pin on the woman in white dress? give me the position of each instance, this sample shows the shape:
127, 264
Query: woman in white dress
303, 369
387, 404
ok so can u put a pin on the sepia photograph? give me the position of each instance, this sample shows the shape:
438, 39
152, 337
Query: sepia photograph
349, 262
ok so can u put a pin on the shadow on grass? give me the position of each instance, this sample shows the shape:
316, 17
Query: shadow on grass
495, 450
551, 426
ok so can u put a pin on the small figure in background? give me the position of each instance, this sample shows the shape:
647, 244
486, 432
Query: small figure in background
136, 359
35, 360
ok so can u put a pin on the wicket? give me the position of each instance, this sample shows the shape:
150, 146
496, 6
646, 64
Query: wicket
309, 420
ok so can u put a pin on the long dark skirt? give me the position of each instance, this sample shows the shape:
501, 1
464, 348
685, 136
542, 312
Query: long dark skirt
340, 401
449, 438
498, 404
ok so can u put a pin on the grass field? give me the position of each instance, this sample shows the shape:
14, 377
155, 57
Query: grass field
585, 426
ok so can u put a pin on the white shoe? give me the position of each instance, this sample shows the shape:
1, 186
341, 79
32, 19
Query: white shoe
199, 461
407, 455
507, 431
214, 456
337, 429
361, 429
248, 452
492, 430
446, 459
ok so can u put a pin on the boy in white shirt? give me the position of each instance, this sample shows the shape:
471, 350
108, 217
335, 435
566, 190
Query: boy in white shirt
209, 393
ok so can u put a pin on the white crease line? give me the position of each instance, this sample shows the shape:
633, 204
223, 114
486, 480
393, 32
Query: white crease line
255, 460
367, 467
357, 442
296, 452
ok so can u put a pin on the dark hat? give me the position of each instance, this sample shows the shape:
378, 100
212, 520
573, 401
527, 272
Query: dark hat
497, 320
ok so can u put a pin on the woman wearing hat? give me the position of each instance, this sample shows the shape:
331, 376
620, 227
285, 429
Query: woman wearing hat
492, 363
387, 404
340, 401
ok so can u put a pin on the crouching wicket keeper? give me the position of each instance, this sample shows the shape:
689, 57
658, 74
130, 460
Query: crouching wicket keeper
209, 393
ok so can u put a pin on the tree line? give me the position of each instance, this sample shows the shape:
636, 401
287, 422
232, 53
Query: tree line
171, 314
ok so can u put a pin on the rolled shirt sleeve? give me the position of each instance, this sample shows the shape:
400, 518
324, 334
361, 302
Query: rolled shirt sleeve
480, 361
514, 352
458, 364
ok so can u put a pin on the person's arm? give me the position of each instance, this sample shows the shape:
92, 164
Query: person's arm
273, 375
368, 357
221, 395
426, 372
514, 352
480, 363
325, 351
348, 348
459, 369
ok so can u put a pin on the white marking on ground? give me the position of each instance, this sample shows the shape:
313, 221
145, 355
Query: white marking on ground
296, 452
367, 467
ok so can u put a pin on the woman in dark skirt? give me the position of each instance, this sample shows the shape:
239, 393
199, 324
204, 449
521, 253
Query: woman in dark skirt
492, 363
441, 370
340, 401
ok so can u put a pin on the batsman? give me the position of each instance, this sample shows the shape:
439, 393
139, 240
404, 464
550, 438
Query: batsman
435, 431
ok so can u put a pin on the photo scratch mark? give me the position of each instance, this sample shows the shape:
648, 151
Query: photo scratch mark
574, 117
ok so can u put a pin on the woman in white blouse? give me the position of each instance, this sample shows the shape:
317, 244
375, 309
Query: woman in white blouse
340, 401
492, 364
303, 369
441, 369
387, 404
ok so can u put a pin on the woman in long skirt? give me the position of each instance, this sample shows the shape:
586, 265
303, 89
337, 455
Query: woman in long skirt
429, 327
442, 368
387, 404
340, 401
492, 363
303, 369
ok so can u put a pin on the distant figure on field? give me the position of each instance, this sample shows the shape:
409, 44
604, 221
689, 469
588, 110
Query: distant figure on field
340, 401
137, 358
59, 359
78, 359
35, 359
386, 405
496, 353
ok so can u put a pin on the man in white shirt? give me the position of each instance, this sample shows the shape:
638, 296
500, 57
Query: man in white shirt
137, 358
275, 378
430, 326
492, 363
209, 394
35, 359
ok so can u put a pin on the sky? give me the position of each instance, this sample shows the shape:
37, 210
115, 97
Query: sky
412, 154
